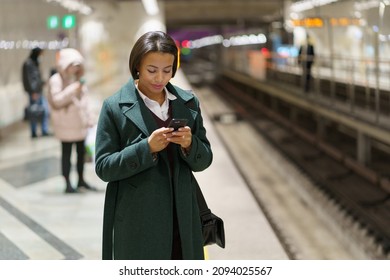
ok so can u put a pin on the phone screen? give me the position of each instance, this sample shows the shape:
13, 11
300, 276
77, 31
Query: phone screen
177, 123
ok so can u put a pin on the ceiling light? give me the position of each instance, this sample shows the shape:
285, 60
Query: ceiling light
151, 7
74, 5
304, 5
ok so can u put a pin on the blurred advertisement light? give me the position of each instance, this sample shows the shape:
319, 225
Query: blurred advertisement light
151, 7
287, 51
7, 45
241, 40
245, 40
206, 41
30, 44
186, 44
74, 5
185, 51
384, 38
305, 5
265, 52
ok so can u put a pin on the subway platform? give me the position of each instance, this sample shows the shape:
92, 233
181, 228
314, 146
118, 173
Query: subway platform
40, 222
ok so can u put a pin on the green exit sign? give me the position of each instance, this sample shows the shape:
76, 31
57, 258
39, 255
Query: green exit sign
68, 21
53, 22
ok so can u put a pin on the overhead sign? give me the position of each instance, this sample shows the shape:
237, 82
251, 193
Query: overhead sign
53, 22
68, 21
319, 22
308, 22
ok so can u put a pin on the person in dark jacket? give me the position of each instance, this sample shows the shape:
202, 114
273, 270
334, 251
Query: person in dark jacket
151, 209
33, 85
306, 57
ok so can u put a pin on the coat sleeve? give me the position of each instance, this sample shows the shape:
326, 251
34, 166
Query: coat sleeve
113, 161
61, 97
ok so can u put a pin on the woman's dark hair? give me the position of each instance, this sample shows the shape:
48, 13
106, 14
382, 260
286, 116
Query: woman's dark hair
154, 41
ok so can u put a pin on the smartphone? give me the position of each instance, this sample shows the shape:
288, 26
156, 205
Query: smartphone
177, 123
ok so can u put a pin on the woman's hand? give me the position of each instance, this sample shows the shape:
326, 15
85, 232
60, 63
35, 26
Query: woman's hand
182, 137
158, 139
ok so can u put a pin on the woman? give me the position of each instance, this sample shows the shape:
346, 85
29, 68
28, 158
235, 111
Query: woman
151, 210
70, 113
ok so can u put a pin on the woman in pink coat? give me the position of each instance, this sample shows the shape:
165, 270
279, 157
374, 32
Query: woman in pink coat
70, 112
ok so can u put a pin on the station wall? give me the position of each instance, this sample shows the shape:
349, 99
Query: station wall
22, 26
105, 38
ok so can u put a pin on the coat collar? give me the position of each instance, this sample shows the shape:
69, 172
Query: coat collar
135, 110
127, 93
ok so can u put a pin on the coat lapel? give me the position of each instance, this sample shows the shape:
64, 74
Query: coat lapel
135, 110
182, 106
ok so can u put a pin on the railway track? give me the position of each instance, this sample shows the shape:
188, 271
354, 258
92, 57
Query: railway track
361, 208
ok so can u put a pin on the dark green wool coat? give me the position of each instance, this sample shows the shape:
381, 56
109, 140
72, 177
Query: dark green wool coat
138, 218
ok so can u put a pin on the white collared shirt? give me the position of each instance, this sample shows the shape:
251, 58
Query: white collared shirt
154, 106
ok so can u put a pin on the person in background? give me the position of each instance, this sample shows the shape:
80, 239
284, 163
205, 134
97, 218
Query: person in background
306, 57
151, 210
70, 113
33, 84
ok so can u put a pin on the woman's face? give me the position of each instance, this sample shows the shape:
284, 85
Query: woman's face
155, 71
73, 69
73, 73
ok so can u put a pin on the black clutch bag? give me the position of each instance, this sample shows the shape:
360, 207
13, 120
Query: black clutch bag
212, 225
34, 112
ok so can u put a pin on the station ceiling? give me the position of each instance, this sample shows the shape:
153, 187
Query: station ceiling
193, 13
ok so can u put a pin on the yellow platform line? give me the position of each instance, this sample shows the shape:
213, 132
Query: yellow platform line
206, 253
